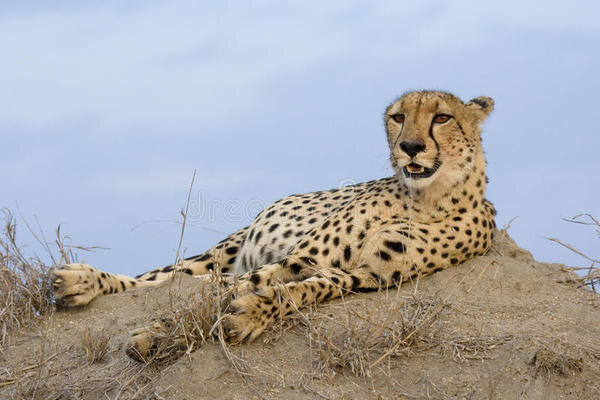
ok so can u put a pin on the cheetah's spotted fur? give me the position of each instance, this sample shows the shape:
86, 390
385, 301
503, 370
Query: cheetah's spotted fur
431, 215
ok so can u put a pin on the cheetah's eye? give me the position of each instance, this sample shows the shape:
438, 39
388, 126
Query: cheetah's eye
441, 118
399, 118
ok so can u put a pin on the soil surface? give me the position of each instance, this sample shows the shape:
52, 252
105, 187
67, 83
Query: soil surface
501, 326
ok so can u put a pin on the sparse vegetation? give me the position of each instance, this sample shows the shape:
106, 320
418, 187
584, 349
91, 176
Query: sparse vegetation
495, 319
371, 332
189, 321
550, 361
25, 284
95, 344
590, 275
474, 347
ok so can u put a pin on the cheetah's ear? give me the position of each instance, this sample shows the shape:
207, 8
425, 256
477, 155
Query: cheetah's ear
481, 107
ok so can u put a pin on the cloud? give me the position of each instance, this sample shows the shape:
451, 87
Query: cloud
105, 103
158, 62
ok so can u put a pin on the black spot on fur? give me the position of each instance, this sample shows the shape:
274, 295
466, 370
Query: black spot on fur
398, 247
347, 253
270, 214
296, 268
308, 260
255, 278
231, 250
273, 227
203, 257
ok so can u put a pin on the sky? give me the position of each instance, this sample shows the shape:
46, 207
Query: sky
107, 109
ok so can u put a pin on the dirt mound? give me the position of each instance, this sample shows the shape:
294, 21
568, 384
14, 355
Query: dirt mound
502, 326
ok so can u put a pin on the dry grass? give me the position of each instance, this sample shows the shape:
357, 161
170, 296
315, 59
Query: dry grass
591, 274
466, 348
189, 322
25, 284
51, 373
372, 332
550, 361
95, 344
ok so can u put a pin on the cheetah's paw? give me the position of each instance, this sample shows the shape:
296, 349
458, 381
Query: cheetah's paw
154, 342
252, 314
75, 284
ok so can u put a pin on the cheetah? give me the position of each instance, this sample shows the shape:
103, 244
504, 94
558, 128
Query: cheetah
310, 248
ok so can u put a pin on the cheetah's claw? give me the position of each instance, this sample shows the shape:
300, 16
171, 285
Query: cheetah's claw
248, 321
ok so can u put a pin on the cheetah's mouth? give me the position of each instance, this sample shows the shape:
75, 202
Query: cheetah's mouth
417, 171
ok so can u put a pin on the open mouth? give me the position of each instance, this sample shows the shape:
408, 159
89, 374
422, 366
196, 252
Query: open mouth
416, 171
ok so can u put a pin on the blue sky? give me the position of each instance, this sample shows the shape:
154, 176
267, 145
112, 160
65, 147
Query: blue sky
107, 108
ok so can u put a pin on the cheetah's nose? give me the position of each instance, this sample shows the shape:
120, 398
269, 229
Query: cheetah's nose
412, 148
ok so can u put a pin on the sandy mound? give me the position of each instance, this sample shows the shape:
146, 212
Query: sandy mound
501, 326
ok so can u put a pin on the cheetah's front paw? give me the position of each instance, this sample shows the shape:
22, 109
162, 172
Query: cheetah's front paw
253, 314
75, 284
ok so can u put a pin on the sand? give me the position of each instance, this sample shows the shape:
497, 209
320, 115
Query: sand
501, 326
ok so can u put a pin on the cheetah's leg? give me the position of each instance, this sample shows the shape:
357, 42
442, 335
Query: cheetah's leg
392, 256
78, 284
223, 254
255, 312
144, 342
268, 275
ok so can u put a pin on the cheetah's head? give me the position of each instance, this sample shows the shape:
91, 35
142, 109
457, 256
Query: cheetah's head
434, 137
